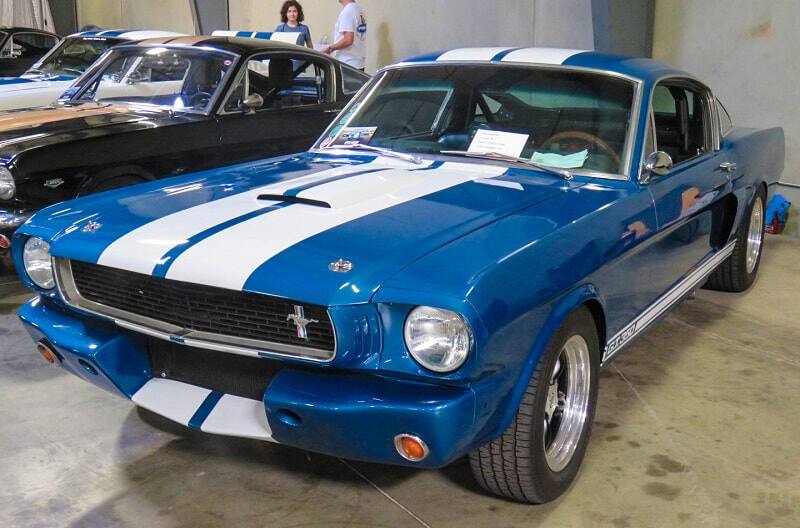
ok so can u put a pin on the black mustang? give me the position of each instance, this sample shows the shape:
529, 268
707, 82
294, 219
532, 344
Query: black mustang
21, 47
163, 107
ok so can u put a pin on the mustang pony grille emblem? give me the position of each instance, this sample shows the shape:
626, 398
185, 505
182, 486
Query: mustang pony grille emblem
91, 226
300, 321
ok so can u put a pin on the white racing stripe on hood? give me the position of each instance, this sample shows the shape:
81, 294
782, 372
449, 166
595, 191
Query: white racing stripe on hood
235, 253
470, 54
541, 55
143, 248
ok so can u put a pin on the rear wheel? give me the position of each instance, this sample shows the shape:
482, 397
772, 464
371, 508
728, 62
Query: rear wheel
739, 271
538, 456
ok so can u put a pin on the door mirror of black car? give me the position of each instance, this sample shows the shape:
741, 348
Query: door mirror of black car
135, 78
252, 102
658, 163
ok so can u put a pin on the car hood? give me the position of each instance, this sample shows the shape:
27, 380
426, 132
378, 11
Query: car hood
279, 226
21, 129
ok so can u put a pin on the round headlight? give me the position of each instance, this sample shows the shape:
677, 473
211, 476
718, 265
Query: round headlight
438, 339
7, 186
38, 265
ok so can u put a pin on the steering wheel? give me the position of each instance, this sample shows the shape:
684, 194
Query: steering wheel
199, 97
591, 139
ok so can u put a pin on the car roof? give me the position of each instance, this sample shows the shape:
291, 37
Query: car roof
127, 34
647, 70
237, 45
18, 29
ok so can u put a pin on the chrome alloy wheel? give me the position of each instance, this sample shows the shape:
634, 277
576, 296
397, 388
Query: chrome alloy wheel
755, 235
567, 403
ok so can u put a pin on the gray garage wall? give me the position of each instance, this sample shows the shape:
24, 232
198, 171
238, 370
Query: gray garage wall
399, 28
167, 15
403, 28
747, 52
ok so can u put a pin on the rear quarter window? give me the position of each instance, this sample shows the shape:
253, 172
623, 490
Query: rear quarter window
725, 123
352, 80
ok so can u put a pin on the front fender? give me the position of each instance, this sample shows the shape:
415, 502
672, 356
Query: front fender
498, 417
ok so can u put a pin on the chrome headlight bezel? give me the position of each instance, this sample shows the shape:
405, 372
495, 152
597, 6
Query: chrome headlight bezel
39, 263
439, 340
8, 187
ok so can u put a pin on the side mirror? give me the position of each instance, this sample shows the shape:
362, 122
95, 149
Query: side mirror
135, 78
658, 163
252, 102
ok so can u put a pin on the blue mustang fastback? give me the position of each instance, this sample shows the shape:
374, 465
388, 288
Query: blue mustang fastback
443, 274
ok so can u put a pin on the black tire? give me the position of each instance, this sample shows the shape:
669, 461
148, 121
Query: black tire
515, 465
115, 182
733, 275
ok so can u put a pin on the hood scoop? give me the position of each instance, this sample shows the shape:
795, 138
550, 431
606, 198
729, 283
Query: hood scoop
294, 199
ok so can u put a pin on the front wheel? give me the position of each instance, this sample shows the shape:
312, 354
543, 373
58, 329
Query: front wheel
739, 271
538, 456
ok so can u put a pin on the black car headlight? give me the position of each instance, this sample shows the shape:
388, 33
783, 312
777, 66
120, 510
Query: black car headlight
38, 263
7, 186
437, 339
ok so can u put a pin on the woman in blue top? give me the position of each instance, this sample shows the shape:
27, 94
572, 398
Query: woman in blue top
292, 22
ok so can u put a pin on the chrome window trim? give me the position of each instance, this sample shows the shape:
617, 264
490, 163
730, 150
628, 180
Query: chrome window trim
332, 81
719, 106
176, 334
630, 139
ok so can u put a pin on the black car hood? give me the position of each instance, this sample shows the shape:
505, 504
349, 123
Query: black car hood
23, 129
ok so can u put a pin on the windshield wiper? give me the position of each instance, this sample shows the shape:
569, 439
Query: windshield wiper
74, 70
380, 150
564, 173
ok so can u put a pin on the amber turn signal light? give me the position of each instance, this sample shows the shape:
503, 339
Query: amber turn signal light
411, 447
47, 353
5, 242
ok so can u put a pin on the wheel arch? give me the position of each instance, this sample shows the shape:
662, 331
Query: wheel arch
110, 173
584, 296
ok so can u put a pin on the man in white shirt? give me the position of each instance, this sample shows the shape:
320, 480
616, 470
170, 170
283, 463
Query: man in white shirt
350, 41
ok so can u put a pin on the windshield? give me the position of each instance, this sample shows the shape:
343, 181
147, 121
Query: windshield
72, 57
183, 79
554, 117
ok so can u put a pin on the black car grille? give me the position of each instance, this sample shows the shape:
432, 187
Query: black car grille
203, 308
243, 376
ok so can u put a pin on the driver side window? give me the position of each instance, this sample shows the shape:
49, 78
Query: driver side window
280, 81
681, 120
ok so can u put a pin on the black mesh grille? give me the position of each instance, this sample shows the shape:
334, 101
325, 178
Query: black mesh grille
243, 376
202, 308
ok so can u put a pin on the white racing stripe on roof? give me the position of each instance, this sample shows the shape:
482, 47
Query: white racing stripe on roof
470, 54
142, 249
143, 35
287, 37
243, 248
541, 55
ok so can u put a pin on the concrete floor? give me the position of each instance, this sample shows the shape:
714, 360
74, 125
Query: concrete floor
698, 425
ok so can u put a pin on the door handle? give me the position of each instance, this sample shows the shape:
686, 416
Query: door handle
332, 110
728, 166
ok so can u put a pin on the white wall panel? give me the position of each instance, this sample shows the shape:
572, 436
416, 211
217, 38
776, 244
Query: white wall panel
747, 52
